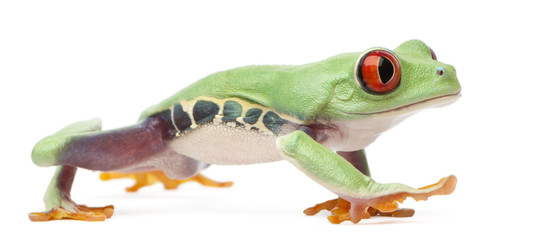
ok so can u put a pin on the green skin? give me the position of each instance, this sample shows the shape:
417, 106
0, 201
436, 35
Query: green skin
320, 92
332, 89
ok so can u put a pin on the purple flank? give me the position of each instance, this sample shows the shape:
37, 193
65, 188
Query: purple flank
116, 149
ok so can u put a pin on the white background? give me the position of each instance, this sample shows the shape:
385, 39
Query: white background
65, 61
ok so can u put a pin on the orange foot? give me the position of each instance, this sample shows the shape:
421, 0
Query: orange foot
81, 212
340, 211
143, 179
355, 209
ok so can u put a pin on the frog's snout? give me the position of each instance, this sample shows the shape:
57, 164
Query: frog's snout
448, 74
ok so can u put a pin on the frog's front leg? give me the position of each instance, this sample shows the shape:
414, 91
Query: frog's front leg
339, 176
358, 159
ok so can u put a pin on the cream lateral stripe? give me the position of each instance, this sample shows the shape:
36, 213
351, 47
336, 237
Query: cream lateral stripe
188, 108
172, 119
189, 104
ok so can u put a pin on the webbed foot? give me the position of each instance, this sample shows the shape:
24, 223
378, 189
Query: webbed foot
340, 211
143, 179
78, 212
59, 205
356, 209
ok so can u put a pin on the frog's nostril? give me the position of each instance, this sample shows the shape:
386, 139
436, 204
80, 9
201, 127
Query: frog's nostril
440, 71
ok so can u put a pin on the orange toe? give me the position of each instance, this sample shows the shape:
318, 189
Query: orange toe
83, 213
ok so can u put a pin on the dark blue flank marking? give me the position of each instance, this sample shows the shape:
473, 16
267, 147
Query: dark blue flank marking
181, 118
231, 111
252, 115
204, 111
273, 122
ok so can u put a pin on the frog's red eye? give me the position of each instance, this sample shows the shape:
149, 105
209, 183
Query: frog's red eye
432, 54
378, 71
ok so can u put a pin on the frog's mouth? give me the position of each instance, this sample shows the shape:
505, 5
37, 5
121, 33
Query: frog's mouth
353, 135
414, 107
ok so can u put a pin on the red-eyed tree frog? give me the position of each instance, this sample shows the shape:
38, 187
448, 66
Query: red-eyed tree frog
319, 116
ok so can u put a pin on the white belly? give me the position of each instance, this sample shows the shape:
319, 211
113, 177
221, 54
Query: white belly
224, 145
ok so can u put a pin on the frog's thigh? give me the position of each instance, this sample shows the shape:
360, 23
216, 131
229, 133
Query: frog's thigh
114, 149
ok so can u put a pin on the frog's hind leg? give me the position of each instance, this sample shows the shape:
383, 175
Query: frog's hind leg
170, 168
143, 179
58, 203
84, 145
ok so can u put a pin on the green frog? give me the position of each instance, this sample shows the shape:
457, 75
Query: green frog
320, 117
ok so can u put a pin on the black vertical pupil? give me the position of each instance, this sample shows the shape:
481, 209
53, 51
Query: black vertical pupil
385, 69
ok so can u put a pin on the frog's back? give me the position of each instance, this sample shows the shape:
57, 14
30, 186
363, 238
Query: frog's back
250, 84
299, 91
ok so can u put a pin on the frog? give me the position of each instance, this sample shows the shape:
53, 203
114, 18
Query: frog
318, 116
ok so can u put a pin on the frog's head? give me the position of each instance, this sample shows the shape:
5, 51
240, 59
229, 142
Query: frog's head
383, 87
382, 83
